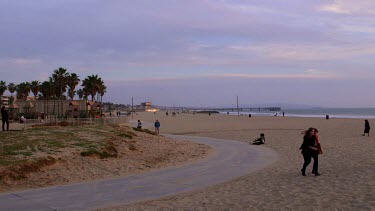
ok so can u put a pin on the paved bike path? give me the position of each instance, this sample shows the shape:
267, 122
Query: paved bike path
229, 160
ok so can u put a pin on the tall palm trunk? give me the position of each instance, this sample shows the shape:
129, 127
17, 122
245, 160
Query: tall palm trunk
62, 107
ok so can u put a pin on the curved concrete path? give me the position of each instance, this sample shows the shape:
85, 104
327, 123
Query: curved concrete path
231, 159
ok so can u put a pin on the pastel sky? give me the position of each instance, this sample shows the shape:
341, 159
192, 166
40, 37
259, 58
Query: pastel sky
198, 52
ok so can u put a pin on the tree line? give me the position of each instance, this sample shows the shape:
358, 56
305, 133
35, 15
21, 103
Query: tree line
61, 82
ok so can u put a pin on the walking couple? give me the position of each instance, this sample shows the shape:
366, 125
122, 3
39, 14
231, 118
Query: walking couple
310, 149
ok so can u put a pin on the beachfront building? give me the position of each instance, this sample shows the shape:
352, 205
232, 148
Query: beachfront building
35, 108
145, 107
4, 101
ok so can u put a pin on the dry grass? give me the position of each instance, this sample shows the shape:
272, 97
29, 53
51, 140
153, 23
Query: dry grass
55, 155
30, 150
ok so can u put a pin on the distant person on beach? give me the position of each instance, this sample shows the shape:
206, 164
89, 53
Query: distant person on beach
310, 149
5, 117
367, 128
260, 140
283, 114
157, 126
139, 124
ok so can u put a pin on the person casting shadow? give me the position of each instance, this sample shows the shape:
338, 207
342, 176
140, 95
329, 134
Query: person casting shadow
310, 149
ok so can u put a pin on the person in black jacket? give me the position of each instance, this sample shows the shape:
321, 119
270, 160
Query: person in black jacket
4, 117
310, 150
367, 128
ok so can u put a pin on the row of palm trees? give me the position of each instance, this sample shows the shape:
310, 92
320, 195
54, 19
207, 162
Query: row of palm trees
60, 83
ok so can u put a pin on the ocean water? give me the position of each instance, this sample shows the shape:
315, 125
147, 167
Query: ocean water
358, 113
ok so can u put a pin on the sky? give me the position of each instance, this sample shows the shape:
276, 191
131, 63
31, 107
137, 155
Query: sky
198, 52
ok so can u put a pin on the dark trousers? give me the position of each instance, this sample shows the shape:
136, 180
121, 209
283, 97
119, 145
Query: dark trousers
307, 158
315, 156
7, 122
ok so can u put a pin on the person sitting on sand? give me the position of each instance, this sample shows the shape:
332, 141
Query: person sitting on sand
260, 140
139, 124
367, 128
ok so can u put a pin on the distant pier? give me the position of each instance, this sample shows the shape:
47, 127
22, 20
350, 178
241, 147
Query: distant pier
259, 109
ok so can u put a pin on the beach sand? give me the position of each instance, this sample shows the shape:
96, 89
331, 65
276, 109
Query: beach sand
346, 165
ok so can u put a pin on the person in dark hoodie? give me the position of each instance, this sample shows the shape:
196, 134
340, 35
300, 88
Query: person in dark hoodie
4, 117
367, 128
310, 150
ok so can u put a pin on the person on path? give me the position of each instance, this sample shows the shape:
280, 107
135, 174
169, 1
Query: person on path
310, 149
157, 126
139, 124
367, 128
5, 117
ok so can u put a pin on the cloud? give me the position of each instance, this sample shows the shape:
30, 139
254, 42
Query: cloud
335, 8
21, 61
305, 75
352, 7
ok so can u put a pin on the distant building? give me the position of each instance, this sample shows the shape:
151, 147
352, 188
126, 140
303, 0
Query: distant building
146, 107
5, 101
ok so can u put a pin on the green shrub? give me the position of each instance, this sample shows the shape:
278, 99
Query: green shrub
63, 123
126, 135
90, 152
144, 130
137, 129
149, 132
132, 147
109, 151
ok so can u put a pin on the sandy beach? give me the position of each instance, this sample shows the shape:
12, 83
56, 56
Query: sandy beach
346, 165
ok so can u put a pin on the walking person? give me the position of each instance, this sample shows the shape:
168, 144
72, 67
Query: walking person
316, 154
310, 149
4, 118
157, 126
367, 128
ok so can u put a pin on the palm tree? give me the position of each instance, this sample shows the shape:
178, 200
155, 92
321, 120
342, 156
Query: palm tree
72, 82
11, 89
102, 90
35, 87
71, 93
23, 90
59, 78
47, 92
3, 87
80, 93
92, 85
